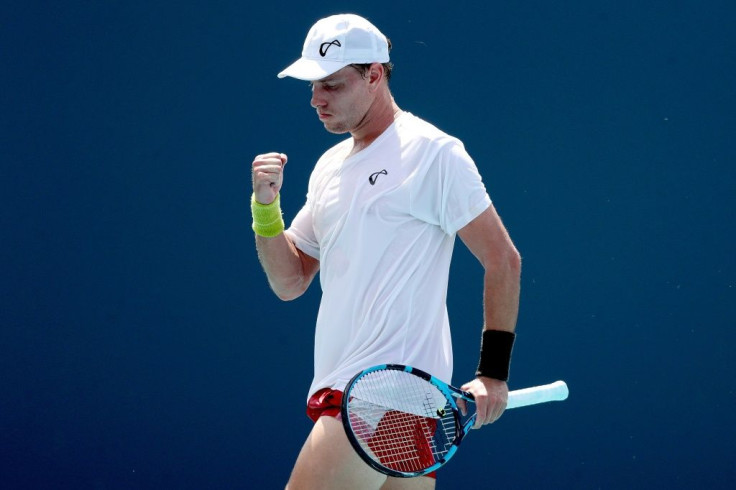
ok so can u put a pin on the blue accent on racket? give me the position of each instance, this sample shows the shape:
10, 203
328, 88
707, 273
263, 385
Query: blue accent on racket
404, 422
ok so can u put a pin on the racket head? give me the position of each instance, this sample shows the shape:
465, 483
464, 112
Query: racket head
402, 421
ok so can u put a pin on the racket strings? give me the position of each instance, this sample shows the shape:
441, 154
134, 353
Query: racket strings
404, 441
401, 421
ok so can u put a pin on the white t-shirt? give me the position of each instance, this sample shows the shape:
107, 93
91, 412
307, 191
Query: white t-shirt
382, 224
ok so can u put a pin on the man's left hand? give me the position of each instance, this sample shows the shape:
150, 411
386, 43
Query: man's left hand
491, 396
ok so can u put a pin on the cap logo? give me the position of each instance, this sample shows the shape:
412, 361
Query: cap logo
325, 46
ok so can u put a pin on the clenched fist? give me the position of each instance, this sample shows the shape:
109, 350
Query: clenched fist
268, 176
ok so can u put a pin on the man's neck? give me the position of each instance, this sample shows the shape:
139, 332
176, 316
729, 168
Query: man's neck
383, 113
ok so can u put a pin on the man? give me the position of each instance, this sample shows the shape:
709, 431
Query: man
379, 223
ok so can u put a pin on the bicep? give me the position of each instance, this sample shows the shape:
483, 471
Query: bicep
487, 238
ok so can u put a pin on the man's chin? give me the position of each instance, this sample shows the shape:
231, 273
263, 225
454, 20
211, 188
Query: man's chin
335, 129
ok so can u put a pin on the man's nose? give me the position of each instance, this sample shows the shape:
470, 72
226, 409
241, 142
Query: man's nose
317, 100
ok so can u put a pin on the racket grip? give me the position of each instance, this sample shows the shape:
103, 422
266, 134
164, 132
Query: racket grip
556, 391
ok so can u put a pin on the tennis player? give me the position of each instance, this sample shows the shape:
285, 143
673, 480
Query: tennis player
382, 211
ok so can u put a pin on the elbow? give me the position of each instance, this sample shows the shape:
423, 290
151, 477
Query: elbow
514, 261
514, 265
287, 295
507, 263
289, 291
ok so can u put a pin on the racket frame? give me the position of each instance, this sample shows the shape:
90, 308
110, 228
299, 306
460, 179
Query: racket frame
451, 394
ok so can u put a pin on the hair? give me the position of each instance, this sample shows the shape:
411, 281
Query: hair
388, 67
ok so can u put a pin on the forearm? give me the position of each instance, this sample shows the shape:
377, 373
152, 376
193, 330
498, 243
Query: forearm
289, 271
501, 307
501, 290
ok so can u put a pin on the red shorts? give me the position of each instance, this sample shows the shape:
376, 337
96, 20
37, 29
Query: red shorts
329, 402
325, 402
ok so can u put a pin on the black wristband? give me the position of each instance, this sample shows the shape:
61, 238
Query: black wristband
495, 354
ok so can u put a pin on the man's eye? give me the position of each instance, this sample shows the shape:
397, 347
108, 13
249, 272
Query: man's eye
328, 87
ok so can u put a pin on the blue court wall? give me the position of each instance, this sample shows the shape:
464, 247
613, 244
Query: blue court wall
140, 346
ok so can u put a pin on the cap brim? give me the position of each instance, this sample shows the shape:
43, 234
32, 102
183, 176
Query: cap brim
311, 70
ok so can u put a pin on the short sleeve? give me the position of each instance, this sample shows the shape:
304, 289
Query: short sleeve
451, 193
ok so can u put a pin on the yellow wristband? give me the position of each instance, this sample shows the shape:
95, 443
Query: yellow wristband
267, 219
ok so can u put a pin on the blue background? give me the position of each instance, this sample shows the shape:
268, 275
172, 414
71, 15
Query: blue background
140, 345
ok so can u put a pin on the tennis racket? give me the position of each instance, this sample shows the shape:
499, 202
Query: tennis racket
404, 422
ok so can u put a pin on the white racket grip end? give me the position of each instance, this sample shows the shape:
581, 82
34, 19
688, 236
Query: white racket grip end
556, 391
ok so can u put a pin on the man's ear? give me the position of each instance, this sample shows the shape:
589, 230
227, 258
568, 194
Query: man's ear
375, 74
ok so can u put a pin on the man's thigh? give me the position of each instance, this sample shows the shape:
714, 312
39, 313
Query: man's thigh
328, 461
418, 483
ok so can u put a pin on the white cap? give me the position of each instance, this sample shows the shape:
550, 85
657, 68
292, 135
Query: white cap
336, 42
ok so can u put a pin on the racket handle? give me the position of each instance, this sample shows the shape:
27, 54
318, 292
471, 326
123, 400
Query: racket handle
556, 391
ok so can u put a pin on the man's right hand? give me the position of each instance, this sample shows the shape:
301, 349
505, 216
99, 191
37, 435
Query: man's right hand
268, 176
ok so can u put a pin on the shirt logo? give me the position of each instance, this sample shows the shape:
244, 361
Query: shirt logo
374, 176
325, 46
